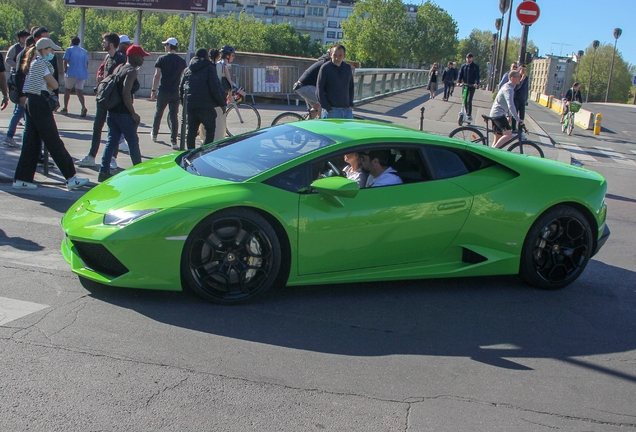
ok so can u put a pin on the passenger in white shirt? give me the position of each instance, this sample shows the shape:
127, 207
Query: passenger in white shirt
376, 163
353, 170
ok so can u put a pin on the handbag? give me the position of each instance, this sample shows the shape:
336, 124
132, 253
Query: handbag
52, 100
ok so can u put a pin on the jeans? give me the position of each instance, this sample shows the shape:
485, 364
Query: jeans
341, 113
98, 125
521, 110
18, 114
172, 101
447, 88
469, 100
40, 126
118, 125
206, 117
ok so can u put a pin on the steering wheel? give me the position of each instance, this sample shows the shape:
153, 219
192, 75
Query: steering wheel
334, 169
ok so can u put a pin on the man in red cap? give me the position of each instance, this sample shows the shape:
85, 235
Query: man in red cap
122, 118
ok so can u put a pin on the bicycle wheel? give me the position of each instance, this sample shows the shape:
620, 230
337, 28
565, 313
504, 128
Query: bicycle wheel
287, 117
570, 125
564, 125
468, 133
527, 148
357, 117
242, 118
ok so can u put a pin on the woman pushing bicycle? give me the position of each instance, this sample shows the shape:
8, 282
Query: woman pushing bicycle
504, 106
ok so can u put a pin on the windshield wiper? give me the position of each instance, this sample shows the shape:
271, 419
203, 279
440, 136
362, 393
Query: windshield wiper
190, 165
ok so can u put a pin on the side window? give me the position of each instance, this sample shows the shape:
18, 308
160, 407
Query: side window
447, 163
294, 180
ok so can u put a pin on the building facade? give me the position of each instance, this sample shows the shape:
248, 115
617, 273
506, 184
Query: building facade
552, 75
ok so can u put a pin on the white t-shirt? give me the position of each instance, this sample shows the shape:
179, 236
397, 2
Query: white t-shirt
387, 178
357, 176
34, 82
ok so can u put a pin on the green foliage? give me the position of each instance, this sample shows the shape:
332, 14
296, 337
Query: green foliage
478, 43
432, 36
36, 13
11, 20
376, 30
621, 76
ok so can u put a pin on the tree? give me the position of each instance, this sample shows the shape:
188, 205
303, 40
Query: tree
621, 77
37, 13
376, 30
11, 20
432, 35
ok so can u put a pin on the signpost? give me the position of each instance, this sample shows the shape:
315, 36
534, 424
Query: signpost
527, 14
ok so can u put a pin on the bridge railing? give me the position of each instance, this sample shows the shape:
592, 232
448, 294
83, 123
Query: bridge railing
373, 83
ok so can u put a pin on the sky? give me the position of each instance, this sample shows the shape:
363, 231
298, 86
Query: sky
563, 27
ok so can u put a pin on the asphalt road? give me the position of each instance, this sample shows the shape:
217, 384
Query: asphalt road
475, 354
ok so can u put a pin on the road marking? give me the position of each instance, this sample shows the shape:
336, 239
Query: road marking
615, 156
51, 260
577, 152
11, 309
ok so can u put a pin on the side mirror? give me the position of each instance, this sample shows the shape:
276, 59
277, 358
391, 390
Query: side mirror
331, 189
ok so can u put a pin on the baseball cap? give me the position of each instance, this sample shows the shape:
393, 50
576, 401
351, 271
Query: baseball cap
171, 41
46, 43
124, 39
136, 49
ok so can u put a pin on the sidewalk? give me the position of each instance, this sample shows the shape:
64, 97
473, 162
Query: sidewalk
404, 109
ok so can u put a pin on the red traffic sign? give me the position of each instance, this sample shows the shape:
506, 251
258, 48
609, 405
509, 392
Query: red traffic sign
528, 12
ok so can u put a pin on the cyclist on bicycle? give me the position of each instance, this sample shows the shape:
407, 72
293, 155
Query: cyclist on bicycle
306, 85
469, 74
502, 107
573, 94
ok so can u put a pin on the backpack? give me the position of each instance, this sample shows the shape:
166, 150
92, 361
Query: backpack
12, 85
108, 93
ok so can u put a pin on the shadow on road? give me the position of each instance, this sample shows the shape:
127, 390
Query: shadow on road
491, 320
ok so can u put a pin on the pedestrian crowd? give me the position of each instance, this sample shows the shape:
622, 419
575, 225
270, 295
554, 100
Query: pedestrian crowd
204, 86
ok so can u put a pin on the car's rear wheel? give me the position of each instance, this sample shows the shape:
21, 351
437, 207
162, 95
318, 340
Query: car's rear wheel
231, 257
557, 248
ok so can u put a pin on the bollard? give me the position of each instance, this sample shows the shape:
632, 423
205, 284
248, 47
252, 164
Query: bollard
422, 118
597, 123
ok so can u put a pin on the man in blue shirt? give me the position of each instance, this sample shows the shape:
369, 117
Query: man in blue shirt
75, 74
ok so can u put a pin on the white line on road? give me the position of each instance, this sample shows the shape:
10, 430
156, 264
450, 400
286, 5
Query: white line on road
616, 156
11, 309
577, 152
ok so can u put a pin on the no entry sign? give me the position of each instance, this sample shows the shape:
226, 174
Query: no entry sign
528, 12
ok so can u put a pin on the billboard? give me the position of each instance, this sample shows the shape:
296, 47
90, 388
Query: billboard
194, 6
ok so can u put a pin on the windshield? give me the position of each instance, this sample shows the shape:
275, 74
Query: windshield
245, 156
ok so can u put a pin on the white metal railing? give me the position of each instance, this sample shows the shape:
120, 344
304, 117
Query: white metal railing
373, 83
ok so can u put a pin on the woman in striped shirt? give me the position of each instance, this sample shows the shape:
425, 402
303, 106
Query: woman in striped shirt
40, 124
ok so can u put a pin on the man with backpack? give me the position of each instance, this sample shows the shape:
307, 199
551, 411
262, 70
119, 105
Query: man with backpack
18, 109
110, 43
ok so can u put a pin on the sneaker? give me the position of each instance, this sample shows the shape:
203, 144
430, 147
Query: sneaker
469, 119
83, 112
87, 161
103, 176
153, 137
113, 163
63, 111
123, 145
74, 183
19, 184
523, 136
175, 146
10, 142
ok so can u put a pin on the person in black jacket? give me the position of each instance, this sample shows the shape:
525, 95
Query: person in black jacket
200, 91
469, 74
334, 89
573, 94
306, 85
448, 78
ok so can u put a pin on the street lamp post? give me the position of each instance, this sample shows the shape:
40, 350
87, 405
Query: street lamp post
617, 34
578, 63
505, 6
595, 45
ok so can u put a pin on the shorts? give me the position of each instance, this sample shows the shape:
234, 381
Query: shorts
308, 92
500, 124
70, 82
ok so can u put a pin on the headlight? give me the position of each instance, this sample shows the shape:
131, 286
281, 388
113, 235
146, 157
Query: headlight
123, 218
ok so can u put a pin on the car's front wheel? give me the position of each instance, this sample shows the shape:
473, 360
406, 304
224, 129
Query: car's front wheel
557, 248
231, 257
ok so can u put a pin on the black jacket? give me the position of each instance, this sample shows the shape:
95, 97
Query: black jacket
335, 86
469, 74
204, 88
310, 76
575, 95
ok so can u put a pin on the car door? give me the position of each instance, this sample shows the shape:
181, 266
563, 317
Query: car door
382, 226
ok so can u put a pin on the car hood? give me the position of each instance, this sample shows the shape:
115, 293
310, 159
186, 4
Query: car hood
160, 181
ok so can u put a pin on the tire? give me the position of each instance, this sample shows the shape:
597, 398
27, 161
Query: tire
468, 133
557, 248
528, 147
460, 119
564, 125
286, 117
357, 117
249, 120
232, 257
570, 126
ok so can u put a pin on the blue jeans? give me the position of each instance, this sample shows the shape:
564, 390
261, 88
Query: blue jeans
118, 125
18, 114
341, 113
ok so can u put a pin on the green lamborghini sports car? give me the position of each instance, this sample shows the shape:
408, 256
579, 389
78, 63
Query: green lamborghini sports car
273, 207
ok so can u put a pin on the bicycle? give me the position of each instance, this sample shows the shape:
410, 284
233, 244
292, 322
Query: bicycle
291, 116
568, 120
241, 117
516, 145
